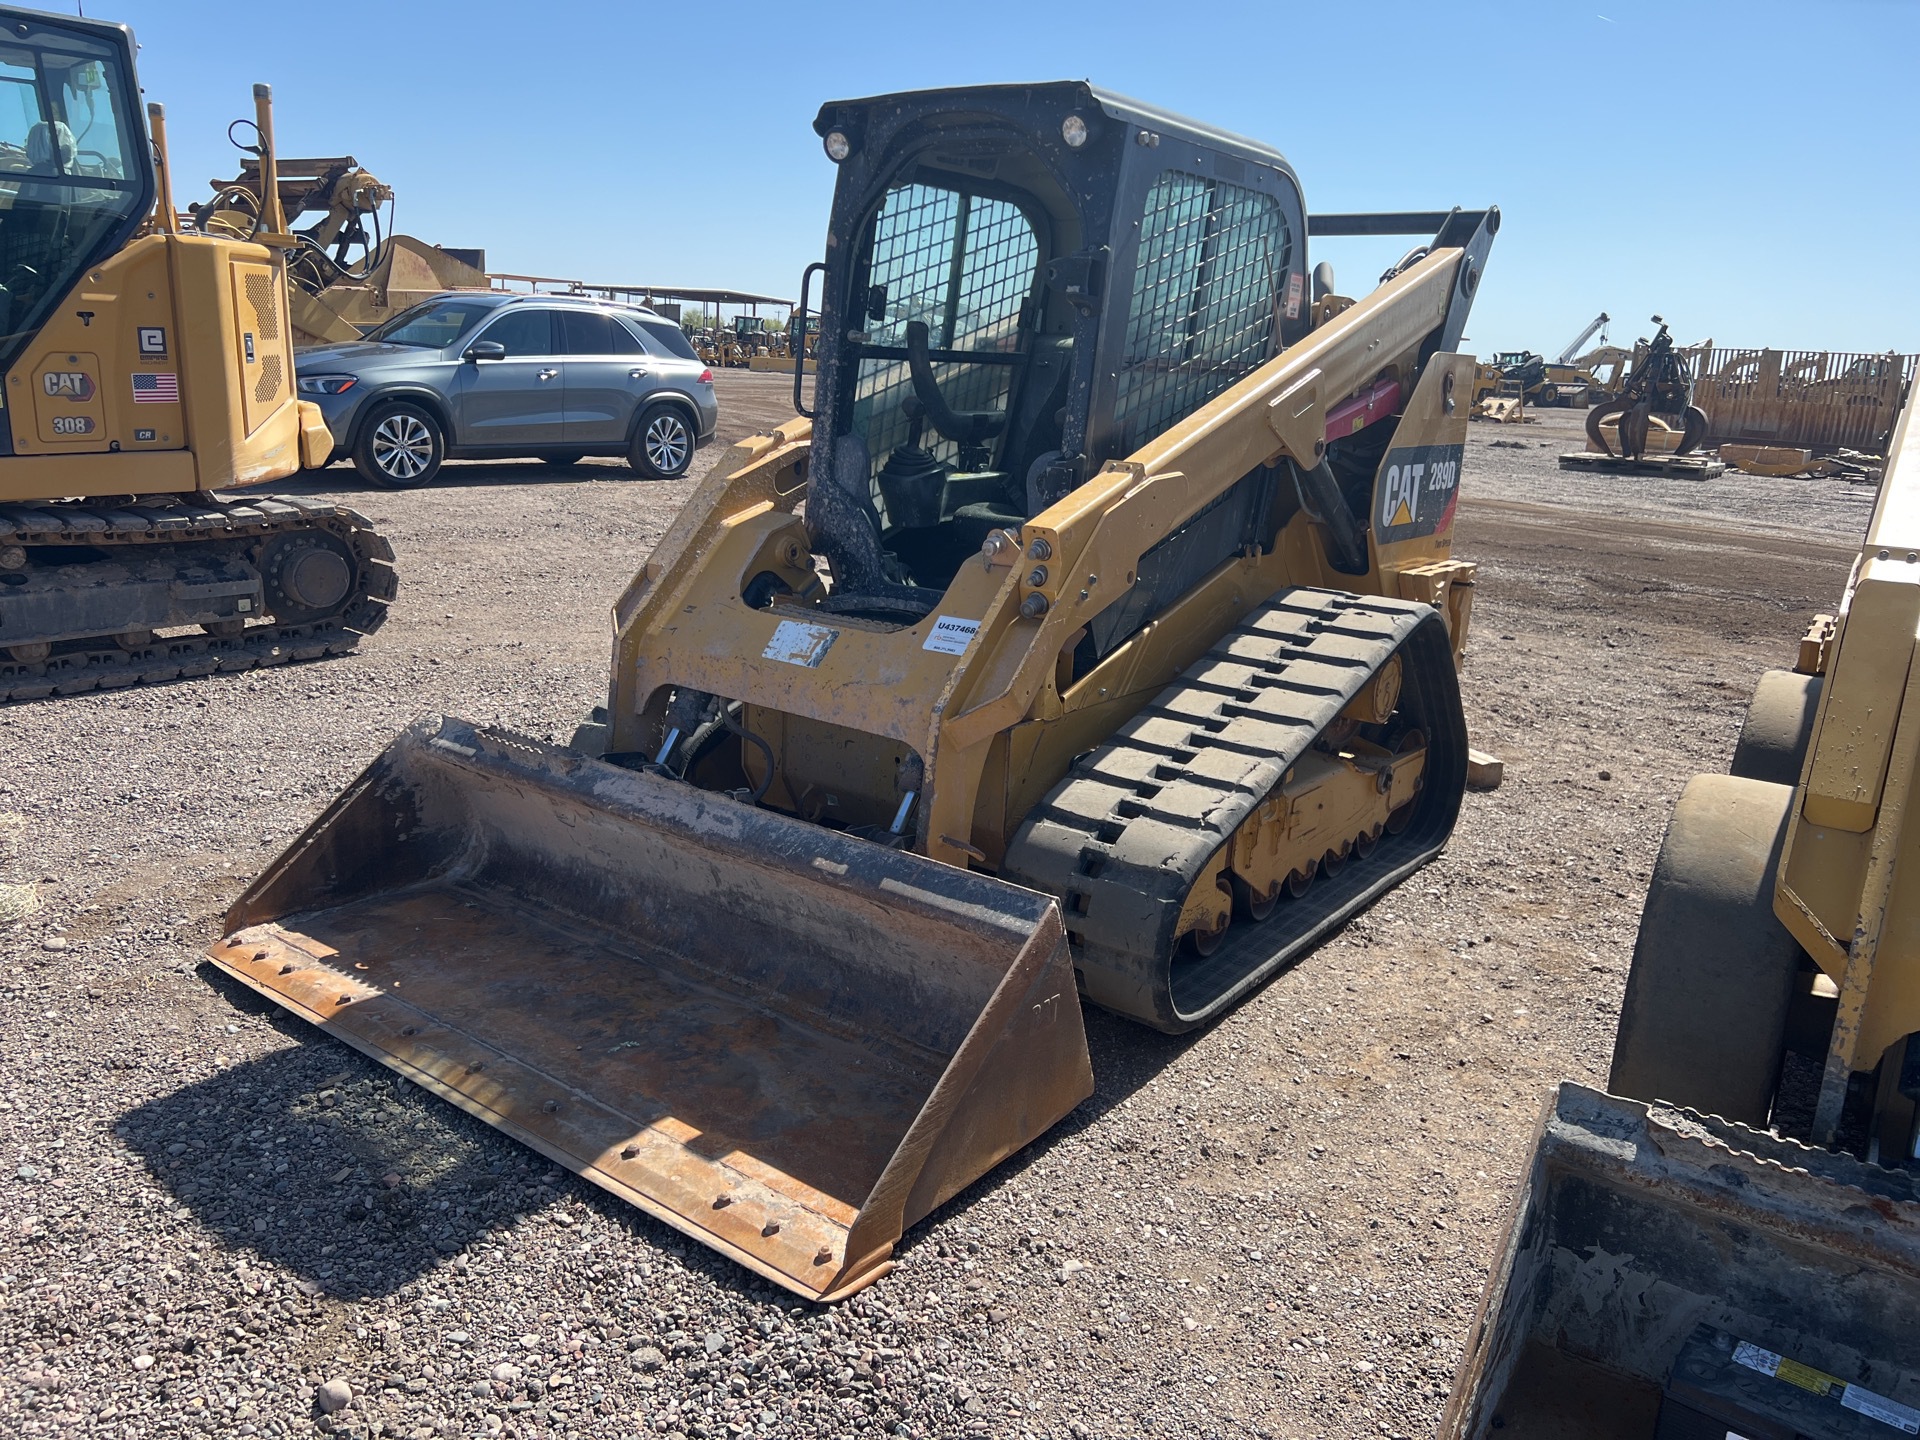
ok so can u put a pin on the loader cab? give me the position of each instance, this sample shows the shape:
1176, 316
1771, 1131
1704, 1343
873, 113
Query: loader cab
76, 182
1023, 282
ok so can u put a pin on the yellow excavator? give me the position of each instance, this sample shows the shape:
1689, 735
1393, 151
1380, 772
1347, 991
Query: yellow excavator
1114, 655
145, 372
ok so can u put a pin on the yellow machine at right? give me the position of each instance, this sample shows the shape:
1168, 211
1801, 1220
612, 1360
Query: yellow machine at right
1777, 923
1679, 1262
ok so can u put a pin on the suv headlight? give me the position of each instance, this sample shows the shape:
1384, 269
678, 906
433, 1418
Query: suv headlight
327, 384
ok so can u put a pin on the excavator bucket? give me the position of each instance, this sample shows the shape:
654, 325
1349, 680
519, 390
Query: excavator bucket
1668, 1274
787, 1042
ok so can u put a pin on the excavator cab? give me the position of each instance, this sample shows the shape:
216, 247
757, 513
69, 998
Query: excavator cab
75, 183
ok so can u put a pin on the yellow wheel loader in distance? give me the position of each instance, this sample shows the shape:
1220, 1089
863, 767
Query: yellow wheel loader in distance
144, 370
1115, 650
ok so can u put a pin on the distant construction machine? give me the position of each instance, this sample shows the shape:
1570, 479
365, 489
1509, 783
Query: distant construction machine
1527, 376
146, 370
348, 275
1659, 388
1115, 654
1567, 381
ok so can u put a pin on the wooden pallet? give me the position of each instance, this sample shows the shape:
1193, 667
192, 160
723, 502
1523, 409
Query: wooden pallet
1685, 467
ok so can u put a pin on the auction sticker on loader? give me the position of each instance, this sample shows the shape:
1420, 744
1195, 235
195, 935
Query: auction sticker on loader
1416, 491
951, 635
797, 643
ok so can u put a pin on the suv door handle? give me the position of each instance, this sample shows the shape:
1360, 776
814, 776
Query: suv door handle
548, 374
639, 374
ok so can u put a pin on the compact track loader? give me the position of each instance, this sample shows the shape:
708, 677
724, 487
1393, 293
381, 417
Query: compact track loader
142, 372
1096, 631
1676, 1264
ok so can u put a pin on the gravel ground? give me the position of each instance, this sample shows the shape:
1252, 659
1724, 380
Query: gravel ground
217, 1221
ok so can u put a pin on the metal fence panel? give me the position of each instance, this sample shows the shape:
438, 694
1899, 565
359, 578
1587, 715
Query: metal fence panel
1821, 400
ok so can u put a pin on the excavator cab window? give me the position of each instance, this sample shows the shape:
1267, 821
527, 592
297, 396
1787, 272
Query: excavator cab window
74, 176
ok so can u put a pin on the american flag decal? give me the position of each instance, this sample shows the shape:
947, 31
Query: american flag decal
156, 389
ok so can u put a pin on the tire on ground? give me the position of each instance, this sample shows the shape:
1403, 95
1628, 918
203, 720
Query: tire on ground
1704, 1020
1779, 728
399, 447
663, 442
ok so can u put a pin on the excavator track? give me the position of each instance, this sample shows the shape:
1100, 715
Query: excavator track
1124, 839
207, 550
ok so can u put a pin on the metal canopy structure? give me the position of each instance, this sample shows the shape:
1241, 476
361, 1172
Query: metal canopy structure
649, 295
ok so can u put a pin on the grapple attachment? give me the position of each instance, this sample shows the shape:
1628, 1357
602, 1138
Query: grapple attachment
786, 1042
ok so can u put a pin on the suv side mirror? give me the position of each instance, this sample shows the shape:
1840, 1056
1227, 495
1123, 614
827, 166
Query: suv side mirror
485, 350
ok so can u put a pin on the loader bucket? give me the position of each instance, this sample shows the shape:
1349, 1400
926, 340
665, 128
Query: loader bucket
1674, 1274
786, 1042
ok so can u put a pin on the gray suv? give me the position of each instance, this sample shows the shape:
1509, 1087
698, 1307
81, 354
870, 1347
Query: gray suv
470, 375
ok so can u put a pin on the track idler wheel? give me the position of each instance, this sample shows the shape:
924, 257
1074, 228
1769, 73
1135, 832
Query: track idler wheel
1205, 942
1252, 905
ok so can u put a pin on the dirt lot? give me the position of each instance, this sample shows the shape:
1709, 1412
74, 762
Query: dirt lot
1276, 1228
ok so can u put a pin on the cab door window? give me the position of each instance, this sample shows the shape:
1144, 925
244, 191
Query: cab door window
589, 332
523, 332
72, 185
965, 265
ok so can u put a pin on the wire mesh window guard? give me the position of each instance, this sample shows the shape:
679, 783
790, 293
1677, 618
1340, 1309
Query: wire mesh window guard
964, 264
1213, 258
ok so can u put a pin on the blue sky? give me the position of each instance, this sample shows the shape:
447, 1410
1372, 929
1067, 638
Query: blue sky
1744, 169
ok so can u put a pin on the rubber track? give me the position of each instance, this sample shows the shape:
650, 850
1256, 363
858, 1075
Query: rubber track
77, 667
1124, 837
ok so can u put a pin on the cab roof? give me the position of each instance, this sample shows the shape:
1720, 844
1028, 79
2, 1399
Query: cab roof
1069, 95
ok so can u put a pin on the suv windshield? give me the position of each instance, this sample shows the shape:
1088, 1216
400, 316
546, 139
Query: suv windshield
433, 325
66, 149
